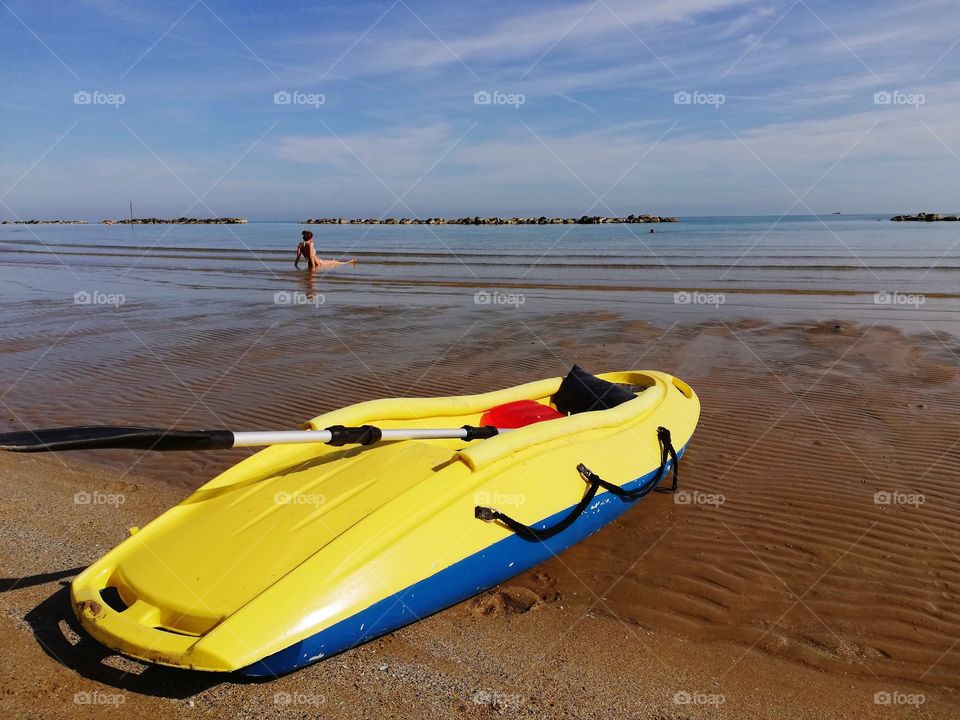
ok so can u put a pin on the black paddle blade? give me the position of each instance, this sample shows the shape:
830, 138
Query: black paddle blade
97, 438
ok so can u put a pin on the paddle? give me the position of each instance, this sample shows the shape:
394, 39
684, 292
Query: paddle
103, 437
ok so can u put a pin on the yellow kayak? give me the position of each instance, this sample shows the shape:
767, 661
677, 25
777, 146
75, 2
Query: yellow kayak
303, 551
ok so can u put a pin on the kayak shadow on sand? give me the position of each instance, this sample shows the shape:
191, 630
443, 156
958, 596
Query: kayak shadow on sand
10, 584
61, 636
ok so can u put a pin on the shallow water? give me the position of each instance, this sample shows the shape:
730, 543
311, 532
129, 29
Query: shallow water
750, 265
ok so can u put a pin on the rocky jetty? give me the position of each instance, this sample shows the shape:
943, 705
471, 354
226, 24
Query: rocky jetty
477, 220
43, 222
926, 217
176, 221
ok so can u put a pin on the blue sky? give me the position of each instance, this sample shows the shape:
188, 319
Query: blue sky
606, 107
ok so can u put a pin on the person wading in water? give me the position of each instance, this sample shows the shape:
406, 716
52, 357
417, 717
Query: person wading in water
306, 251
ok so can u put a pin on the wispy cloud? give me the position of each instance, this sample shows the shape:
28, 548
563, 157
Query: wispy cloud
600, 81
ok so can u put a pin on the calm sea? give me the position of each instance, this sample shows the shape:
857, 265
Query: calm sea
861, 267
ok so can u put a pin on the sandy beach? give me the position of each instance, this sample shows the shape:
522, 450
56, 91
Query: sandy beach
741, 217
807, 568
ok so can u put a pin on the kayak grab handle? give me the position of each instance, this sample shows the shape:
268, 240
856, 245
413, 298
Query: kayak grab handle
594, 482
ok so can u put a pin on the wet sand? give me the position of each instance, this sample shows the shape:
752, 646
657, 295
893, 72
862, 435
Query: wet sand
810, 562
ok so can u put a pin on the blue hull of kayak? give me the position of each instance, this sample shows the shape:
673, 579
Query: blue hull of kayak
472, 575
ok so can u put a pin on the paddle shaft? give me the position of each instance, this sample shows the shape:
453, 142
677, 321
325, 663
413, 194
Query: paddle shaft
161, 440
294, 437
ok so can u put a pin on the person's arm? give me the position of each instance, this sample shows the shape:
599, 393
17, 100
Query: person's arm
296, 262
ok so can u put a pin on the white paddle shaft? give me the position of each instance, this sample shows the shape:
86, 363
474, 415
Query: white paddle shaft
294, 437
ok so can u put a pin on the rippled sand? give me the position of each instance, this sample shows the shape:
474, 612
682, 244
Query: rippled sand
816, 529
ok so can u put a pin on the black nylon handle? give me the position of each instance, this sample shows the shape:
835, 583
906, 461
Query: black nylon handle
594, 483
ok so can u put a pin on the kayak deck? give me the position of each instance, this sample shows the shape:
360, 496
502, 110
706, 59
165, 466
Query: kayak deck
298, 541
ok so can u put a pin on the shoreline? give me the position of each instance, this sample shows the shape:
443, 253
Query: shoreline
495, 220
177, 221
925, 217
642, 218
135, 221
472, 220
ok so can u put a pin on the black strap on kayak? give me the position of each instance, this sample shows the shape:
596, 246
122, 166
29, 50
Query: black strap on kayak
529, 533
594, 483
666, 450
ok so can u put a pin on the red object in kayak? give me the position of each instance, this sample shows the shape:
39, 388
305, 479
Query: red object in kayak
519, 413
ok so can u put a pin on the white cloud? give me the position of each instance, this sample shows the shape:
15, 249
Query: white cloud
686, 172
521, 37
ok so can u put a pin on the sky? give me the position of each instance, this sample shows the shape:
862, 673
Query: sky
288, 110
